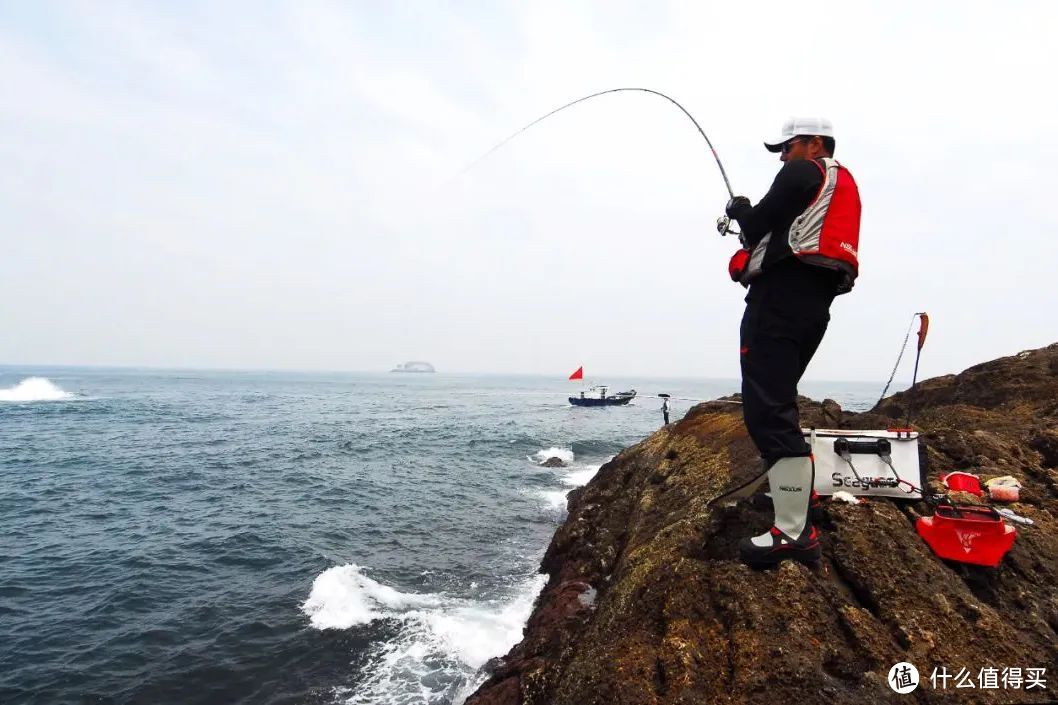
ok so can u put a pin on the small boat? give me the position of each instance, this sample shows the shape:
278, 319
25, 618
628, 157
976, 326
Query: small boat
414, 366
597, 396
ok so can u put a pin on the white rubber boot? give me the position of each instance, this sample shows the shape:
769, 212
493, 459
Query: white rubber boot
792, 535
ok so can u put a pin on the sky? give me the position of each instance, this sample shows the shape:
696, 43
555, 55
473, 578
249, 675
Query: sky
281, 185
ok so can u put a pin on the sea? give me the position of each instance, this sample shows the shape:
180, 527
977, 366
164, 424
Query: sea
176, 536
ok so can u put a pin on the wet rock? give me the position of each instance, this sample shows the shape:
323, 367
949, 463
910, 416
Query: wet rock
554, 462
492, 665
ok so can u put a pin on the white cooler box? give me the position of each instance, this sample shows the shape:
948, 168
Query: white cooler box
867, 451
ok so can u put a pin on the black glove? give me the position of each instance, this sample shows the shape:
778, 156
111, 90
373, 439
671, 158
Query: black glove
737, 206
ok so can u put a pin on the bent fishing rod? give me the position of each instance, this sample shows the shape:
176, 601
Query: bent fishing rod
712, 149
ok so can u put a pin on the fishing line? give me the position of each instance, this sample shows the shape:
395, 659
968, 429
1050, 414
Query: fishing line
655, 396
716, 156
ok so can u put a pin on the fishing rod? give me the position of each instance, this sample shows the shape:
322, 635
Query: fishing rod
510, 137
924, 318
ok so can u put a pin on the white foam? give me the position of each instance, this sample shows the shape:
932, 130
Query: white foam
581, 476
553, 499
34, 389
442, 641
479, 631
563, 454
342, 596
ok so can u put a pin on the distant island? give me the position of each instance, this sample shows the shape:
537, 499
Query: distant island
414, 366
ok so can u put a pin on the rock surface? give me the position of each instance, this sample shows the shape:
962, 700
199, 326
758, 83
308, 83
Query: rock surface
553, 462
647, 603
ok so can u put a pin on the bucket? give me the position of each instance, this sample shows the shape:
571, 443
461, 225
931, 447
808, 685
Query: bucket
962, 482
967, 534
866, 463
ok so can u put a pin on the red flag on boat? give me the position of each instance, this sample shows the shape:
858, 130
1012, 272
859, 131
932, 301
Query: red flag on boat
579, 374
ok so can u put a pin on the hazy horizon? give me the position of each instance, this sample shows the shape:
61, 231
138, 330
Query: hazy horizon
600, 377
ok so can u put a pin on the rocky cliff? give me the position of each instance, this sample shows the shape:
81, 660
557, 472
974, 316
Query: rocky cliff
647, 603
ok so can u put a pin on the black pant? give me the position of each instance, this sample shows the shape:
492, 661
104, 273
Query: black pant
787, 311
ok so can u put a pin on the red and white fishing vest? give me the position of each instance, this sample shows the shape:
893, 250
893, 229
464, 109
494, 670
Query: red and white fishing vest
827, 234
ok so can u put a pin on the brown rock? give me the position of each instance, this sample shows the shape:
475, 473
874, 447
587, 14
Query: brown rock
646, 602
673, 617
831, 412
1045, 442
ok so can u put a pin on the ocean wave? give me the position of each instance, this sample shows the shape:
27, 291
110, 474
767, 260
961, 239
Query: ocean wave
343, 597
554, 500
34, 389
597, 447
581, 476
442, 642
563, 454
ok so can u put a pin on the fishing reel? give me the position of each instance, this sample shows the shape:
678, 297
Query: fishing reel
723, 226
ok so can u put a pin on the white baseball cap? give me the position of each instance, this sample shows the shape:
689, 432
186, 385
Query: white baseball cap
801, 126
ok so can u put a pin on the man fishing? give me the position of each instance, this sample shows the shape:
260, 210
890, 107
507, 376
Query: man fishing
799, 251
